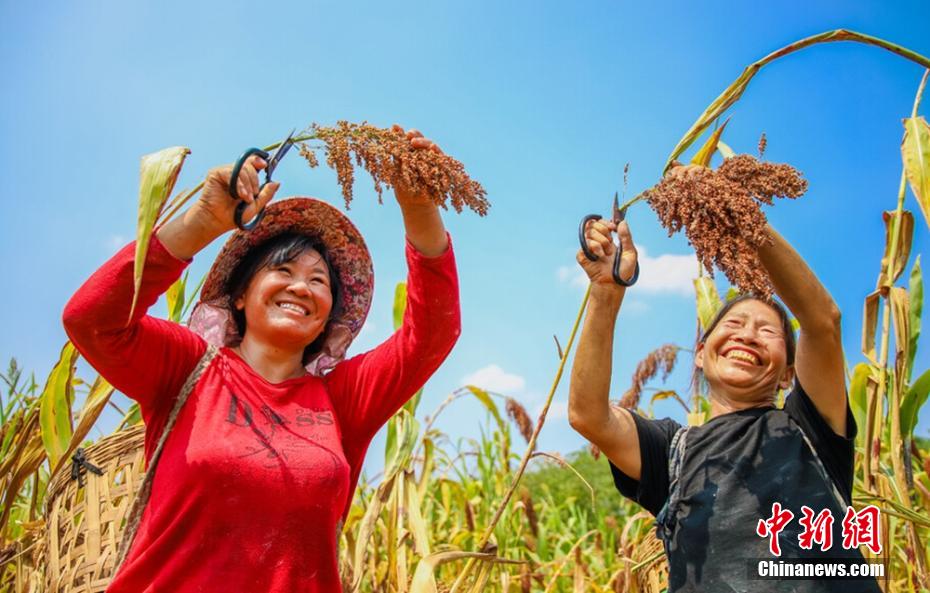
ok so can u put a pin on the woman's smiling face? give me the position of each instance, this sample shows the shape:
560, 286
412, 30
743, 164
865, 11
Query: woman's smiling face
745, 357
288, 304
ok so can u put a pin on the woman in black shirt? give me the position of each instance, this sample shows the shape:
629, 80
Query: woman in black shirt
722, 492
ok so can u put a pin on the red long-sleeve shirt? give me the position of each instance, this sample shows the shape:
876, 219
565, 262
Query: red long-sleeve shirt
255, 476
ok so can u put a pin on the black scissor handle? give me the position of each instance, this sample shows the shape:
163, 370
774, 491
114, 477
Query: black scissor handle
233, 190
617, 256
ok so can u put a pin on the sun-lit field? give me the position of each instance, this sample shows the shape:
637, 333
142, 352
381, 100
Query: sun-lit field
490, 512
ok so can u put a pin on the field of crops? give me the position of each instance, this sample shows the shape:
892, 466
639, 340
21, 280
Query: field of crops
492, 512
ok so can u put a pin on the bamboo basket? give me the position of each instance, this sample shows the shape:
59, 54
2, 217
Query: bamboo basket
84, 525
652, 578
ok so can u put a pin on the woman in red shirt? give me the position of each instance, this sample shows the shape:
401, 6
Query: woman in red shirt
265, 442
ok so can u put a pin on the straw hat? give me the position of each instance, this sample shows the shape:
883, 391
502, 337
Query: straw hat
212, 317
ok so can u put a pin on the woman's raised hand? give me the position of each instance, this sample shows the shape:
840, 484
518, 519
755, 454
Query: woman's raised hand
405, 196
216, 207
212, 214
599, 238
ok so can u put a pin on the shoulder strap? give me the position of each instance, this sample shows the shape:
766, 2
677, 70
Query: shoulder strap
676, 453
145, 490
665, 520
840, 499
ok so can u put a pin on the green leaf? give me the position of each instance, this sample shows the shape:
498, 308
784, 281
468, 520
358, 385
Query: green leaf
408, 429
97, 399
706, 153
193, 296
158, 175
55, 406
132, 418
175, 298
400, 304
911, 403
707, 300
915, 152
858, 400
485, 398
916, 290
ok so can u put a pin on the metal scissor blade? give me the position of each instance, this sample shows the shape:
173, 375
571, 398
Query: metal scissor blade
618, 213
280, 152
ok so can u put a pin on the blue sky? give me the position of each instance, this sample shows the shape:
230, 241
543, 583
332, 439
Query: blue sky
543, 101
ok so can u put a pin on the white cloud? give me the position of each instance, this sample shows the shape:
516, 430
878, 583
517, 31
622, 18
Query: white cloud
494, 378
115, 242
665, 273
558, 410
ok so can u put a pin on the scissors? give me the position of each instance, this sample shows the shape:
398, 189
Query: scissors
269, 169
617, 216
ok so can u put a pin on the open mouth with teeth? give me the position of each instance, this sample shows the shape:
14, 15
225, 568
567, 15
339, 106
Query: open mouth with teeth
293, 307
742, 356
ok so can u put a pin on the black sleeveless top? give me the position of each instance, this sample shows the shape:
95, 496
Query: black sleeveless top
731, 471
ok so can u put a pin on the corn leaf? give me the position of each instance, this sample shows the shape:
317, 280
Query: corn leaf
424, 580
706, 152
725, 150
132, 418
408, 429
870, 326
97, 399
890, 274
916, 284
159, 172
175, 298
900, 318
400, 304
418, 525
193, 296
911, 403
707, 299
915, 152
858, 403
485, 398
55, 406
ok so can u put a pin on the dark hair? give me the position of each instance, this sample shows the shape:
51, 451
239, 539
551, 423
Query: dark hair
275, 251
787, 328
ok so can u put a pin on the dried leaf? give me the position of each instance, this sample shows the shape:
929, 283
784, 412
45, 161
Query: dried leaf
902, 250
916, 291
418, 527
870, 326
915, 152
725, 150
706, 153
424, 580
900, 317
158, 175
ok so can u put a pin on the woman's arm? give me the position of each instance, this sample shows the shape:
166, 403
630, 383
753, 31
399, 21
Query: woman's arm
611, 429
146, 357
819, 360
